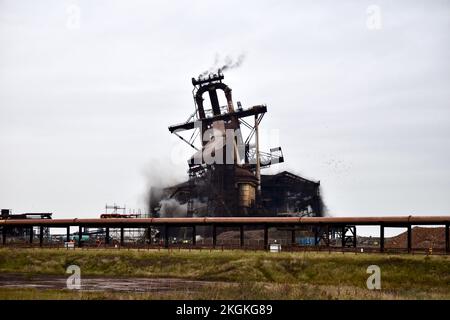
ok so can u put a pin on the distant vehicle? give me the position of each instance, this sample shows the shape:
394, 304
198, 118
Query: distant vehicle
75, 238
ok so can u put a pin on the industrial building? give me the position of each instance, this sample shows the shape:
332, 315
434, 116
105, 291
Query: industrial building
224, 172
225, 193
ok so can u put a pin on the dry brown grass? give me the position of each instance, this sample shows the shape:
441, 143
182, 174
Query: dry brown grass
250, 275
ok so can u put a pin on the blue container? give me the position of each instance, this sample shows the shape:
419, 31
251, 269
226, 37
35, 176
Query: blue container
306, 241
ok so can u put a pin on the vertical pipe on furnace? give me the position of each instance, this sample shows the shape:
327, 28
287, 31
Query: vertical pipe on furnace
258, 164
229, 100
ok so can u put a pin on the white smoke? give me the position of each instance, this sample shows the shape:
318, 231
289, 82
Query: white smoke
200, 207
158, 174
171, 208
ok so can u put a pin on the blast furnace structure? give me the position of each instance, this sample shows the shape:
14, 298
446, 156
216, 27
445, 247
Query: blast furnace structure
224, 172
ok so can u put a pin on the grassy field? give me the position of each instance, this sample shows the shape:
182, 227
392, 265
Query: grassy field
242, 275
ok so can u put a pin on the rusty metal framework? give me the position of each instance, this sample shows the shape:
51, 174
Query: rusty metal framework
231, 184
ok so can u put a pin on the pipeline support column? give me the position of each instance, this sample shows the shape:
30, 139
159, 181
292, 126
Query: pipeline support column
107, 235
293, 236
409, 238
166, 235
4, 235
214, 235
327, 230
31, 235
41, 235
316, 236
266, 237
67, 234
80, 235
447, 238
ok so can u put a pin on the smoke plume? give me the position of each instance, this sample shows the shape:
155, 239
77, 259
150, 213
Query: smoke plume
224, 64
171, 208
159, 174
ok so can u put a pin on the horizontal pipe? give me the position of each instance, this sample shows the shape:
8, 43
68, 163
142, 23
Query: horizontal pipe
135, 222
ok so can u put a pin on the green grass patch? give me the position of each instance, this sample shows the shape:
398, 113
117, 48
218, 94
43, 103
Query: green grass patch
401, 275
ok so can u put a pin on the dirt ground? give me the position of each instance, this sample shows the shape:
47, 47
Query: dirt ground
422, 238
102, 283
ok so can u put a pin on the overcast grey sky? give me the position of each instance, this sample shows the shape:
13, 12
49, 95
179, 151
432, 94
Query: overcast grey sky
85, 103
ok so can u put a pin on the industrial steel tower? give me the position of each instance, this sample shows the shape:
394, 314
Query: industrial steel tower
225, 170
